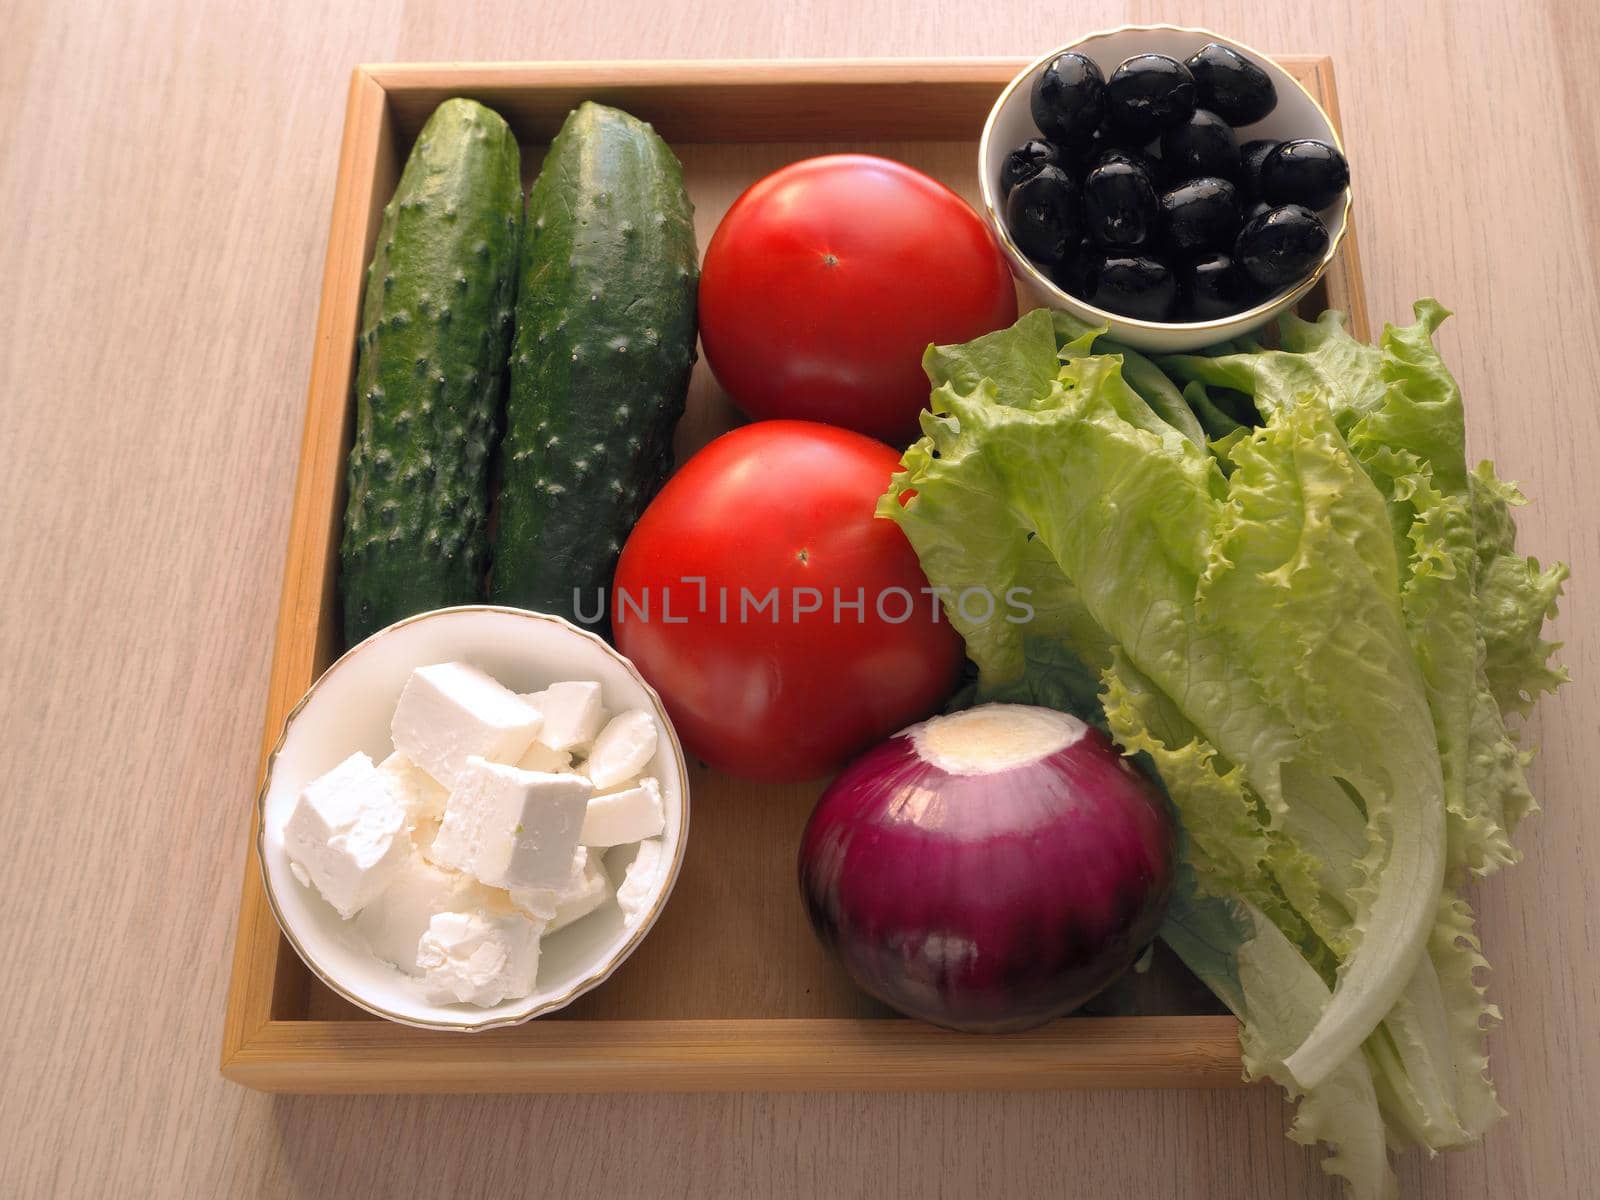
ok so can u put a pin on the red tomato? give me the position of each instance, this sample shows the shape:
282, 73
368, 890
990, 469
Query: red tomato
828, 279
736, 597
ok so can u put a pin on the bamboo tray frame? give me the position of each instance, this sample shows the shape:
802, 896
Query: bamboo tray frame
805, 1028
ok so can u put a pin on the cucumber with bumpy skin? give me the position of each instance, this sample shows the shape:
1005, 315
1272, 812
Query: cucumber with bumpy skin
600, 371
435, 331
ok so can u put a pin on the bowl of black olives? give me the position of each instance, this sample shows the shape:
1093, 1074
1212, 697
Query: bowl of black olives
1175, 185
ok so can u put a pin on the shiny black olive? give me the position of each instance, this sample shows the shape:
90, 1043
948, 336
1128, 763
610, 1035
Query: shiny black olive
1101, 141
1232, 86
1251, 156
1255, 210
1043, 214
1201, 216
1068, 99
1076, 273
1202, 145
1305, 172
1212, 287
1119, 204
1024, 162
1149, 93
1281, 246
1148, 163
1135, 286
1113, 136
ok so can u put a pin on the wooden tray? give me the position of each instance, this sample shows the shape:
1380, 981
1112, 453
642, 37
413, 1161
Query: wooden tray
730, 991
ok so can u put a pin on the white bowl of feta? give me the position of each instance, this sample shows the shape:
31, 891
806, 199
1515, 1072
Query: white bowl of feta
472, 818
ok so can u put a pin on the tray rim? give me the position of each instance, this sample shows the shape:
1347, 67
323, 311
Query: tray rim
675, 1055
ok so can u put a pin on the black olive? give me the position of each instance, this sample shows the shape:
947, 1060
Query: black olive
1200, 216
1148, 163
1135, 286
1232, 86
1068, 99
1043, 214
1202, 145
1212, 287
1255, 210
1251, 156
1110, 135
1282, 246
1102, 139
1119, 204
1149, 93
1099, 142
1024, 162
1076, 273
1305, 172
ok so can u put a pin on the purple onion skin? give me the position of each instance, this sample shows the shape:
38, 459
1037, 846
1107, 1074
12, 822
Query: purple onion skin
988, 903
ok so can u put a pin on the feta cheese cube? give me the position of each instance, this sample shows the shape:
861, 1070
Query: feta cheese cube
479, 957
450, 711
625, 816
539, 757
639, 884
583, 893
424, 831
508, 827
624, 748
572, 714
394, 923
347, 835
419, 793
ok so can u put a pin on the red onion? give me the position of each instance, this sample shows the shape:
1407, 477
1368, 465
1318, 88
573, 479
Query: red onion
988, 870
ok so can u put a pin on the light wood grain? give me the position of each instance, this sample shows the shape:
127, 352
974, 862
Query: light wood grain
723, 101
710, 1055
166, 177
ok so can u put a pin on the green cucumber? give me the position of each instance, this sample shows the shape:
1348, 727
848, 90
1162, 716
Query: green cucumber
431, 370
600, 371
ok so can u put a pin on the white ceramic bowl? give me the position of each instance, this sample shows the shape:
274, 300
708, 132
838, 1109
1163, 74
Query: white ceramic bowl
348, 709
1010, 124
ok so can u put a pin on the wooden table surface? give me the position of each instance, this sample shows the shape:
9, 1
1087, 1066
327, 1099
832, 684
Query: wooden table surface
166, 174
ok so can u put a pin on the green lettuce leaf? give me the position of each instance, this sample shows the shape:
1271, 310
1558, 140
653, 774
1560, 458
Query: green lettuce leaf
1515, 598
1018, 363
1474, 609
1303, 587
1244, 958
1402, 413
1312, 623
1158, 391
1135, 515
